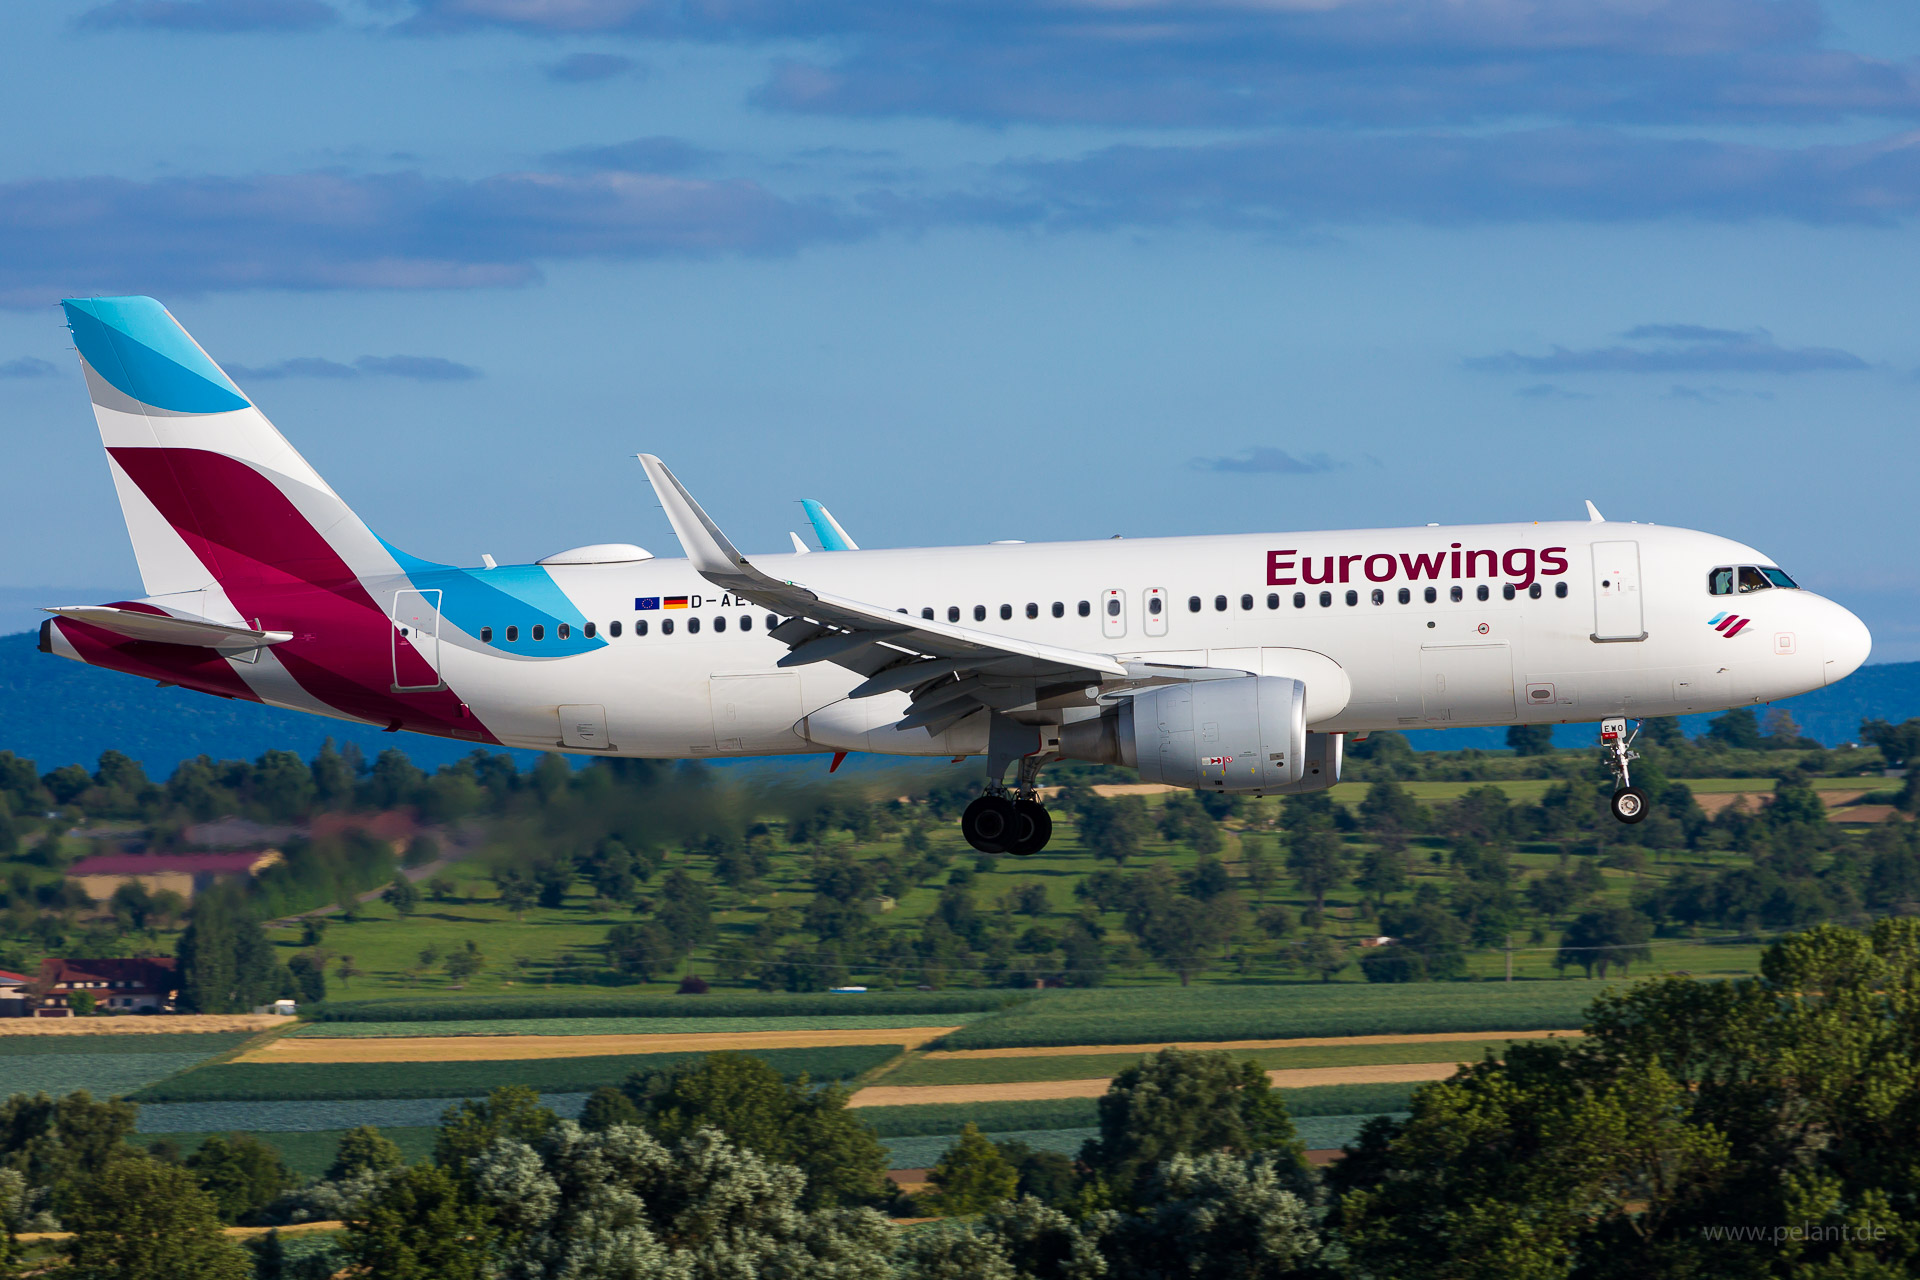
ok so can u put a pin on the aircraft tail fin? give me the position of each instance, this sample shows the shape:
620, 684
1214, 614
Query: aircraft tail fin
213, 495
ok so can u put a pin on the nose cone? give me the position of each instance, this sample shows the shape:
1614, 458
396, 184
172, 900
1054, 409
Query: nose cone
1848, 644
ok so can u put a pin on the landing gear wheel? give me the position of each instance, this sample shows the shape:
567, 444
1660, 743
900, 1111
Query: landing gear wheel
1630, 804
989, 823
1032, 828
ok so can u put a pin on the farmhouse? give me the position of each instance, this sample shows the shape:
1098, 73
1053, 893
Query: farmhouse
183, 873
125, 986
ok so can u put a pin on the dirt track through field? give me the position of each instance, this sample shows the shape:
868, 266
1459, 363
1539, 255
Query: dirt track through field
907, 1095
510, 1048
166, 1023
1312, 1042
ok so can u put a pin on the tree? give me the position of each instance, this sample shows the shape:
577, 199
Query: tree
1218, 1216
1179, 1101
226, 963
420, 1226
138, 1219
55, 1143
1113, 828
686, 910
1256, 865
1388, 806
1530, 739
241, 1173
972, 1176
516, 894
1318, 861
1898, 744
553, 878
1604, 938
402, 896
81, 1003
346, 971
309, 975
1737, 730
363, 1149
1177, 931
467, 1128
466, 963
797, 1124
641, 952
1317, 953
1383, 870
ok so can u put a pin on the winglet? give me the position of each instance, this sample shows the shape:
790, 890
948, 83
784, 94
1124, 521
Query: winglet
826, 528
1593, 514
799, 548
699, 536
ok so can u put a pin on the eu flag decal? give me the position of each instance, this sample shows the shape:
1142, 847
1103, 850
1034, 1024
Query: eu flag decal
647, 602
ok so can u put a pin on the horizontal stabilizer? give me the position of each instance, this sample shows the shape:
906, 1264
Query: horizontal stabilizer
163, 628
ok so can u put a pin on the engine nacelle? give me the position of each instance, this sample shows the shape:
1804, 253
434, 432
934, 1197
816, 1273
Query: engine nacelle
1325, 754
1243, 734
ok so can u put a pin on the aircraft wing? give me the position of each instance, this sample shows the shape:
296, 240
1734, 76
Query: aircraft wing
163, 628
953, 671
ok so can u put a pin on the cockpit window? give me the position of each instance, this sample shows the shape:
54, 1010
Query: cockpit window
1751, 579
1779, 579
1720, 582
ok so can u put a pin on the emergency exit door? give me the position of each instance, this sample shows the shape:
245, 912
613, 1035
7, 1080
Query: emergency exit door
1617, 615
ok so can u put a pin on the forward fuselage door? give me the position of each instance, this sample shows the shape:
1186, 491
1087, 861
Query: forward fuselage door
416, 641
1617, 615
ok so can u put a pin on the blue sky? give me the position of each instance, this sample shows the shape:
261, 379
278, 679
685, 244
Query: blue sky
990, 270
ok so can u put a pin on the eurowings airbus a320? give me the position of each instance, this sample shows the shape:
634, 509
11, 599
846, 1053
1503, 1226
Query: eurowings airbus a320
1235, 663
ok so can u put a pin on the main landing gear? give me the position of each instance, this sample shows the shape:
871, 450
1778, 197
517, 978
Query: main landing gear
1009, 821
1629, 801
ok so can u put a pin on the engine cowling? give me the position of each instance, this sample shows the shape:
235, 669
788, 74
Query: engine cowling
1242, 734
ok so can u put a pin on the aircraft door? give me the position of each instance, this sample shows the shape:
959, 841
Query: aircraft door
756, 711
1153, 619
1617, 615
1113, 614
416, 642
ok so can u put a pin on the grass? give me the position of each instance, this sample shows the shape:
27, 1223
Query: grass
308, 1154
624, 1026
267, 1082
1107, 1065
1146, 1016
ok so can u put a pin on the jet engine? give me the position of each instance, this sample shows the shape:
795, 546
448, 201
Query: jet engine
1248, 733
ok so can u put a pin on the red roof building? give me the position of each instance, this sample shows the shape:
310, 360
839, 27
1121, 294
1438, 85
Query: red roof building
146, 985
183, 873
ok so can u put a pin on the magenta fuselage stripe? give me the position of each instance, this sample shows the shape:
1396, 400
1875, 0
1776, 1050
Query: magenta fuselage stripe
280, 573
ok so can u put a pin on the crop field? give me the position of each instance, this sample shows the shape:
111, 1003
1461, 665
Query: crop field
1086, 1066
1135, 1016
310, 1153
501, 1048
625, 1026
104, 1065
311, 1115
589, 1002
268, 1082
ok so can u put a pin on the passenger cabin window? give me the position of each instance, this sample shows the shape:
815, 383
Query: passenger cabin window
746, 622
486, 635
1533, 592
720, 624
953, 613
588, 630
1481, 592
513, 633
613, 629
539, 631
1085, 609
693, 626
1193, 604
1273, 599
1006, 612
1353, 598
1507, 592
772, 622
979, 613
1457, 594
1379, 596
565, 631
639, 626
666, 626
927, 614
1430, 595
1059, 609
1720, 581
1220, 604
1246, 602
1326, 599
1560, 590
1299, 599
1033, 610
1405, 595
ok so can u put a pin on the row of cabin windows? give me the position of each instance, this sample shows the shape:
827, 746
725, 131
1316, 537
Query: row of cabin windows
1059, 610
564, 631
1378, 595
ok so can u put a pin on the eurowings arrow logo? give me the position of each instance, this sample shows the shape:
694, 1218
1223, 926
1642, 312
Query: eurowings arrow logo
1728, 624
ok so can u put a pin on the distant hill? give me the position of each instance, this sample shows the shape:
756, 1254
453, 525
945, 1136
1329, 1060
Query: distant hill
59, 712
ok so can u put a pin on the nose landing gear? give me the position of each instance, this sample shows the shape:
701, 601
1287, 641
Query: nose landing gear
1629, 802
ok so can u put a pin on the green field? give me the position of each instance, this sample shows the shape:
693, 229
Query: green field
1277, 1012
1076, 1113
309, 1154
625, 1026
576, 1002
920, 1070
272, 1082
204, 1043
104, 1065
